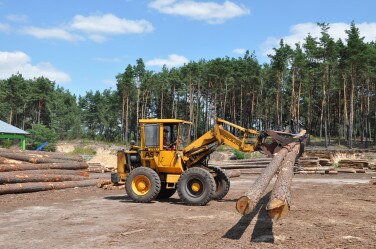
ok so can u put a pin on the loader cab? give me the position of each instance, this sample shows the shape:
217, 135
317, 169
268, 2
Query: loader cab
162, 143
164, 134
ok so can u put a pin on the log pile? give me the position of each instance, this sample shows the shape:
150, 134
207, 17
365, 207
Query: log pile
32, 171
97, 168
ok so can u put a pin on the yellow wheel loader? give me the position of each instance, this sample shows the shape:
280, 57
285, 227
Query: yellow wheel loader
166, 161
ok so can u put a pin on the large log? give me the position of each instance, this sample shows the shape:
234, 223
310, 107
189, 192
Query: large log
247, 203
44, 186
55, 172
21, 177
55, 155
30, 166
30, 158
280, 198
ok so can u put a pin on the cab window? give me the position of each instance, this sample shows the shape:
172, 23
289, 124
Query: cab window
151, 135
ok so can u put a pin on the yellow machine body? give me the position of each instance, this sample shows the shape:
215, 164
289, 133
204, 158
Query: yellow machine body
170, 155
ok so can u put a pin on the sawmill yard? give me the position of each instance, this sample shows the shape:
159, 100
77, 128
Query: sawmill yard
329, 209
327, 212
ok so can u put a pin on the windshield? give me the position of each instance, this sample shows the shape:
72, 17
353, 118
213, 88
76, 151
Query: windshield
183, 136
152, 135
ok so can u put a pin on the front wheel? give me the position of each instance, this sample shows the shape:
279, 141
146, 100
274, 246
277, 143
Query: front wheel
142, 184
196, 186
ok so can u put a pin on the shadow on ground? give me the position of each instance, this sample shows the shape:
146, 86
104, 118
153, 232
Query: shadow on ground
263, 230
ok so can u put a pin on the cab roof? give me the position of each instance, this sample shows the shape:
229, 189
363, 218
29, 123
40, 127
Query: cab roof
163, 120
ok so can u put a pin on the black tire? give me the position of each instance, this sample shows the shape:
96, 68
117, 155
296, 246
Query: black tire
196, 186
139, 177
222, 182
165, 193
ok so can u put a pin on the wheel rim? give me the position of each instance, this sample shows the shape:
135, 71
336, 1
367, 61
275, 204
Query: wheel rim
195, 187
141, 185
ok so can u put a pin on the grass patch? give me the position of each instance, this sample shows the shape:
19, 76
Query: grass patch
83, 151
246, 155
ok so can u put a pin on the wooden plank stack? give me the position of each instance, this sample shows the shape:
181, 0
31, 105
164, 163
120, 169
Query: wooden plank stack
353, 163
245, 166
322, 162
97, 168
32, 171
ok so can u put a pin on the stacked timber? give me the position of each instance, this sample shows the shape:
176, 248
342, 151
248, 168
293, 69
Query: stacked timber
244, 166
32, 171
97, 168
315, 165
353, 163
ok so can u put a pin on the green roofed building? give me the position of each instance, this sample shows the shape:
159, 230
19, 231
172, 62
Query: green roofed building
12, 132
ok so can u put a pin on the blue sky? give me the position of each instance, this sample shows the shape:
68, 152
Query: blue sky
83, 45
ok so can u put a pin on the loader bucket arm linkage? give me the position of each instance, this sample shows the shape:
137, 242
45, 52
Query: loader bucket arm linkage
201, 148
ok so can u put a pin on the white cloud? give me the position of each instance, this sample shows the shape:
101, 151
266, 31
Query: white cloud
51, 33
300, 31
4, 27
240, 51
95, 28
14, 62
211, 12
110, 24
16, 18
173, 60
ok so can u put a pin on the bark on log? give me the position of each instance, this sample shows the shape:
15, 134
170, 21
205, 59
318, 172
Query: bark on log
280, 198
44, 186
31, 158
22, 178
30, 166
55, 155
55, 172
4, 160
247, 203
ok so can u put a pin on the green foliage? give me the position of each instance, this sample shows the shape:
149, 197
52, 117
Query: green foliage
241, 155
40, 134
246, 155
7, 143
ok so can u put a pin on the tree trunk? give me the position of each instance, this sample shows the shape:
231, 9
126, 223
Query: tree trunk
44, 166
353, 78
280, 198
44, 186
122, 118
6, 178
247, 203
127, 120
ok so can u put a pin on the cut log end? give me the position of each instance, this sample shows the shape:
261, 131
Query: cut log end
277, 209
244, 205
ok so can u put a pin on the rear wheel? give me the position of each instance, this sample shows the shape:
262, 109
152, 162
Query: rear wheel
222, 182
196, 186
165, 193
142, 184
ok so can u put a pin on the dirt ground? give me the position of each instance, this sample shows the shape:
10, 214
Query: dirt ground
327, 212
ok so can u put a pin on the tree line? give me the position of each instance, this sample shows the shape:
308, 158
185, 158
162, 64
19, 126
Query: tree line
328, 85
